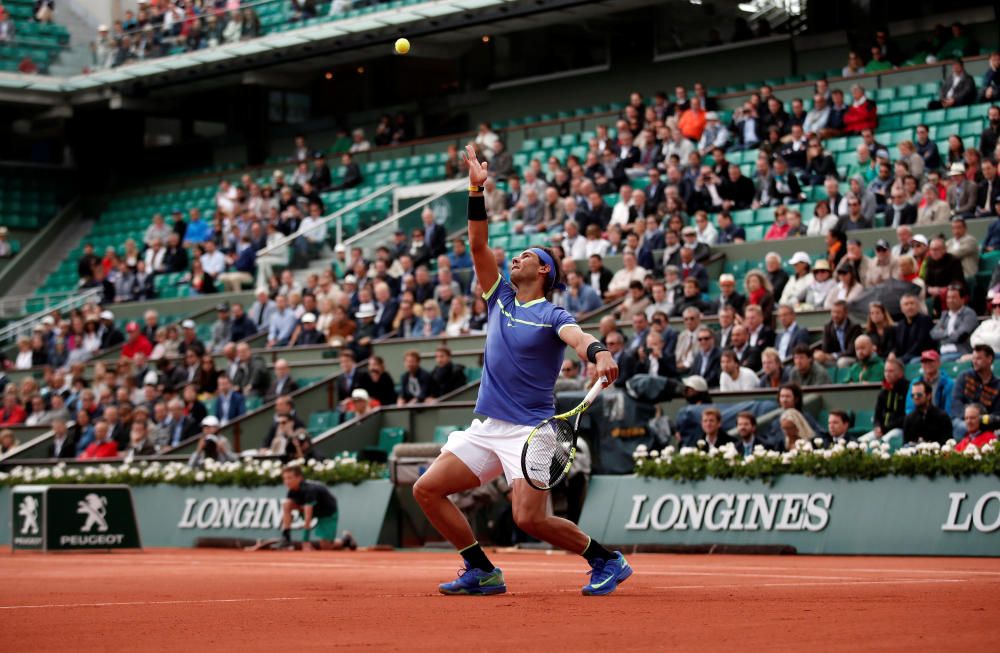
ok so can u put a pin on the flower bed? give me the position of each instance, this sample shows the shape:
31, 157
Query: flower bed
853, 461
246, 473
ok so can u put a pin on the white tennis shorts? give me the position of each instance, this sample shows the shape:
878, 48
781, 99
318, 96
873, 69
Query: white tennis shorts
490, 447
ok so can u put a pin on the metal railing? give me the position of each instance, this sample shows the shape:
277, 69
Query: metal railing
23, 326
323, 222
380, 232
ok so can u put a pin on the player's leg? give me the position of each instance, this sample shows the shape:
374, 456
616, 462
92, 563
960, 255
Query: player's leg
288, 507
446, 476
608, 568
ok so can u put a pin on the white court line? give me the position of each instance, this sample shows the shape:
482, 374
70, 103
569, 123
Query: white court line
128, 603
898, 581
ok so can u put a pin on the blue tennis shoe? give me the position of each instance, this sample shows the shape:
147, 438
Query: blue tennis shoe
475, 582
606, 575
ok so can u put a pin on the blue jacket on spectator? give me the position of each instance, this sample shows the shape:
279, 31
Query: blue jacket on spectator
437, 326
585, 301
992, 237
941, 394
460, 262
228, 409
198, 231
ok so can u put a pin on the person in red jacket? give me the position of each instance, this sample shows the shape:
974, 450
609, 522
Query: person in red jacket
974, 425
102, 446
13, 412
136, 342
862, 114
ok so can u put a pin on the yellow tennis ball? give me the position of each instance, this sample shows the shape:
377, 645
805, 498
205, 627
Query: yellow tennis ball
402, 46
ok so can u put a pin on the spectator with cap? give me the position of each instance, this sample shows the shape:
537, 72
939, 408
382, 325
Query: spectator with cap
189, 339
211, 444
801, 280
136, 342
306, 334
940, 385
961, 193
359, 405
955, 326
882, 267
110, 335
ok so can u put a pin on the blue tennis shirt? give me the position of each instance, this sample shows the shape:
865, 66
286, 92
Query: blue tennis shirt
523, 356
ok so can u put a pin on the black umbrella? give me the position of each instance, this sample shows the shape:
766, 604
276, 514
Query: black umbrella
887, 293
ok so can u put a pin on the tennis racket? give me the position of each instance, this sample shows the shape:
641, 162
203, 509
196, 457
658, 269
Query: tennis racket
551, 446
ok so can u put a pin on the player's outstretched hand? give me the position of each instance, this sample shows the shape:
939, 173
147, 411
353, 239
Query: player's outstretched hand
607, 367
477, 170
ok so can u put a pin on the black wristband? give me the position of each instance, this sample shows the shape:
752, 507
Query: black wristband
477, 208
593, 350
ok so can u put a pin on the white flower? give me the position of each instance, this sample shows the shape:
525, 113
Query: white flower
200, 476
818, 442
749, 459
971, 450
654, 454
886, 456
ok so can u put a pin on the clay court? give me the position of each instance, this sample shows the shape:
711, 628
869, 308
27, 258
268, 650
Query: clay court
234, 601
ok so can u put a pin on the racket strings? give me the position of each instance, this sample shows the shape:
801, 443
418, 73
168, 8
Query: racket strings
548, 452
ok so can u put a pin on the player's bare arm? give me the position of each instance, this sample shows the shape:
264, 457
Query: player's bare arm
581, 343
485, 264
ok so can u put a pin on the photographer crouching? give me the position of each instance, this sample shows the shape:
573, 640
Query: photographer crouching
312, 500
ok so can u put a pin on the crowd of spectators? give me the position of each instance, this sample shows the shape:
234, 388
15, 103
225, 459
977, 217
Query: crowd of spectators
162, 27
920, 302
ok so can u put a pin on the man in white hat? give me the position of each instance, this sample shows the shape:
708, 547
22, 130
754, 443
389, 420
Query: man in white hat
961, 192
714, 135
110, 334
360, 404
306, 334
211, 444
189, 339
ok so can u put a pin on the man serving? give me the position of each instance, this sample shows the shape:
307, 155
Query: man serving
526, 338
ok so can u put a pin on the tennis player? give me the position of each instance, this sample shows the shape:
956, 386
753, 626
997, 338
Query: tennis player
526, 337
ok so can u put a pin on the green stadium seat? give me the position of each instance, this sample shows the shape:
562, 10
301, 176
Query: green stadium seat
473, 374
388, 437
322, 421
442, 432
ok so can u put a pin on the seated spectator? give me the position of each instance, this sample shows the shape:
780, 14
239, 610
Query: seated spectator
822, 220
962, 192
855, 218
447, 376
784, 185
655, 357
941, 270
925, 422
978, 385
839, 334
794, 427
805, 371
229, 403
988, 191
63, 444
974, 434
735, 377
622, 280
707, 358
890, 405
838, 423
691, 298
416, 384
988, 331
868, 366
963, 246
848, 286
773, 375
862, 113
955, 326
712, 434
738, 342
701, 251
569, 379
580, 297
958, 88
103, 446
913, 331
635, 301
211, 445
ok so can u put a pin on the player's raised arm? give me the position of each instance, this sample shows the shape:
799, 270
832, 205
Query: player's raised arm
482, 258
589, 348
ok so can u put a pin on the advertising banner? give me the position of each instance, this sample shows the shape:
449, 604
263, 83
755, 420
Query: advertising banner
892, 516
73, 517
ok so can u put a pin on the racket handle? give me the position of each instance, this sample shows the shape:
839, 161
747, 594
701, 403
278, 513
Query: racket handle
596, 390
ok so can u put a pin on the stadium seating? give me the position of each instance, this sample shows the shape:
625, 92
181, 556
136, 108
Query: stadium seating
41, 42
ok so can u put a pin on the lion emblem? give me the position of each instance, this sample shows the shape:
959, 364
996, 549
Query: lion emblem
29, 510
95, 508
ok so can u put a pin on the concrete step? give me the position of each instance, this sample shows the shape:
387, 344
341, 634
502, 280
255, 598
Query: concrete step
62, 244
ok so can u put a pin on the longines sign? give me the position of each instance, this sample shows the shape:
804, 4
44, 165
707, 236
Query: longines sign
731, 512
917, 516
232, 513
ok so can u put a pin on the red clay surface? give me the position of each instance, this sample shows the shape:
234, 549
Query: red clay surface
196, 600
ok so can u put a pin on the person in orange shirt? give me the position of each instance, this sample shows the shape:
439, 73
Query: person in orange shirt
692, 122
